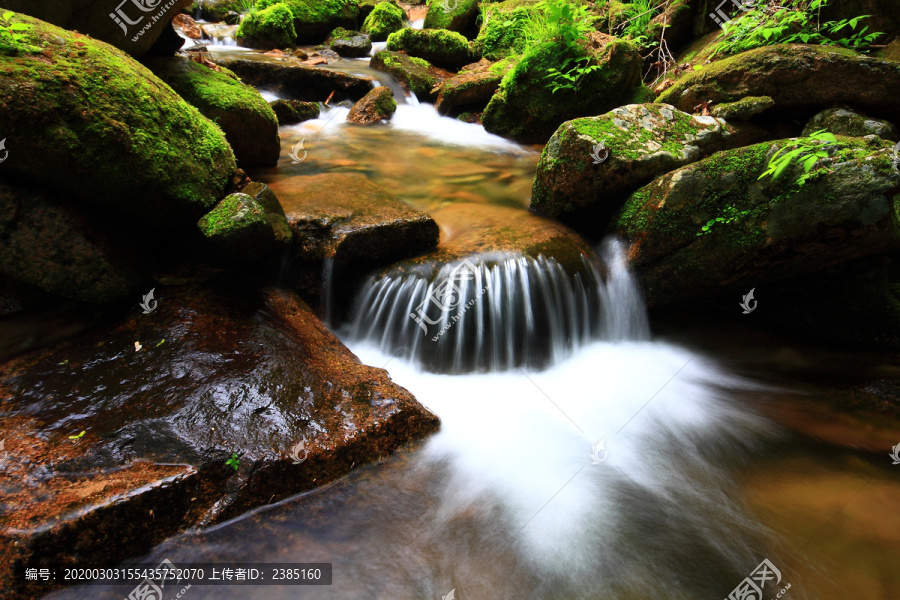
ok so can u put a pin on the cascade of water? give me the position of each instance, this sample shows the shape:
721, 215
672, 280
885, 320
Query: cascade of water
495, 314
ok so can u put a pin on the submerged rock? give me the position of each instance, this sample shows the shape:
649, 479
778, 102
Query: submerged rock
295, 111
793, 75
266, 29
220, 373
440, 47
841, 121
384, 19
110, 132
52, 244
416, 75
299, 82
343, 215
590, 165
472, 88
526, 108
351, 44
714, 226
250, 125
378, 105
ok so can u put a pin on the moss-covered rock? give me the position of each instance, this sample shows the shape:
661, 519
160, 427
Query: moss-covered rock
383, 20
294, 111
218, 10
299, 82
268, 29
266, 198
415, 74
743, 109
714, 226
473, 88
367, 6
315, 19
590, 165
238, 228
503, 27
377, 105
455, 15
440, 47
526, 108
60, 248
841, 121
109, 130
678, 22
793, 75
249, 123
351, 44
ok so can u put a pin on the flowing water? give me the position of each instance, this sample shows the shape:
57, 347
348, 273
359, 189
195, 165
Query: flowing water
619, 466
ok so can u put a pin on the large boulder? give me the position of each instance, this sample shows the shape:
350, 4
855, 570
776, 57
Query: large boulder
639, 143
315, 19
249, 123
267, 29
247, 225
384, 19
793, 75
343, 215
473, 87
440, 47
130, 26
502, 31
54, 245
841, 121
108, 129
416, 75
455, 15
219, 372
299, 82
714, 226
526, 108
378, 105
351, 44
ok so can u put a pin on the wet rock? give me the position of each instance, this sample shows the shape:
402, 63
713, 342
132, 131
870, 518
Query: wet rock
378, 105
108, 129
299, 82
93, 19
267, 29
440, 47
241, 230
250, 125
53, 245
715, 227
416, 75
461, 17
220, 372
743, 109
274, 212
351, 44
841, 121
188, 26
315, 19
526, 108
383, 20
793, 76
219, 10
473, 88
343, 215
295, 111
576, 176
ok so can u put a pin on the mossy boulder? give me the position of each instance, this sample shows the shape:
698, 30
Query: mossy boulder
295, 111
315, 19
109, 130
415, 74
793, 75
472, 88
299, 82
715, 226
351, 44
377, 105
59, 247
133, 27
440, 47
503, 26
592, 164
526, 108
367, 6
249, 123
266, 198
383, 20
218, 10
455, 15
678, 22
268, 29
241, 230
841, 121
744, 109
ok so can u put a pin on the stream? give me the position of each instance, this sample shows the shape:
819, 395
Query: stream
630, 463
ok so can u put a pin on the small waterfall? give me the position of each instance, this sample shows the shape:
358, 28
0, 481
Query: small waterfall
498, 313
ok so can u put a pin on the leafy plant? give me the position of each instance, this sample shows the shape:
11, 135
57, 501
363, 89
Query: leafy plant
234, 461
569, 25
12, 34
729, 215
795, 22
807, 151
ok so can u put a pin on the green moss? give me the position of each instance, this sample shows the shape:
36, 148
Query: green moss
343, 34
100, 121
235, 213
438, 46
270, 28
502, 28
385, 19
315, 19
440, 18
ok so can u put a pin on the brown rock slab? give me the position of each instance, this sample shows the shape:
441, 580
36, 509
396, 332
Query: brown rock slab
298, 81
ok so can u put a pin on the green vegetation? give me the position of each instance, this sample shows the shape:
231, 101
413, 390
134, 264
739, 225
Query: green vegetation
807, 151
272, 27
234, 461
438, 46
385, 19
794, 22
12, 35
